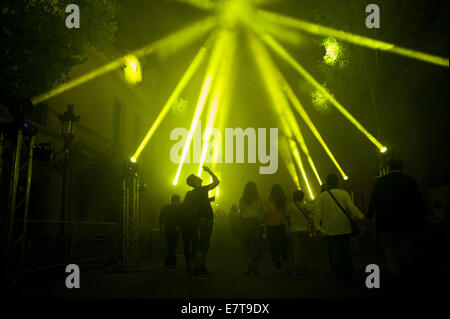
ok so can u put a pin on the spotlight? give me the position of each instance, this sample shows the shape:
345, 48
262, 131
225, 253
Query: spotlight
345, 178
333, 51
133, 160
132, 70
383, 150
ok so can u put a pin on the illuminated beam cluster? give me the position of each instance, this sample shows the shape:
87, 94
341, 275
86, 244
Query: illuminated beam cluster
206, 86
168, 44
300, 109
270, 76
352, 38
276, 47
198, 111
296, 103
178, 89
220, 102
298, 159
209, 126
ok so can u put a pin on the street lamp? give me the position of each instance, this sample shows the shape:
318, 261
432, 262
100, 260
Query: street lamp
68, 124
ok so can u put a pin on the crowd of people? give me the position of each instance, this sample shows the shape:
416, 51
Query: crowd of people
396, 207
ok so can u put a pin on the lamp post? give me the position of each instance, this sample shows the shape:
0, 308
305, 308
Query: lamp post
68, 124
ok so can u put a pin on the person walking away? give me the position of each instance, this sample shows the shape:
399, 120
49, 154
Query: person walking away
332, 211
399, 212
251, 212
299, 216
168, 222
275, 227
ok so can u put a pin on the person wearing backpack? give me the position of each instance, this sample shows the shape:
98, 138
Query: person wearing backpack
299, 216
335, 216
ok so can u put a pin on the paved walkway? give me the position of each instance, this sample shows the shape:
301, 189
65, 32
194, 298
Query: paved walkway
228, 281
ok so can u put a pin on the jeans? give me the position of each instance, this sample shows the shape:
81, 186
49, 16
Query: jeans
397, 249
340, 257
277, 244
189, 244
300, 247
172, 242
252, 239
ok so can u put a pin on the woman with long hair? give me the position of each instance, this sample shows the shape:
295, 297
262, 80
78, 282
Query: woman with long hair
274, 227
251, 211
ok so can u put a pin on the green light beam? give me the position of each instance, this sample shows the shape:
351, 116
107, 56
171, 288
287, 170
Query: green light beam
178, 89
352, 38
269, 75
275, 46
210, 72
171, 42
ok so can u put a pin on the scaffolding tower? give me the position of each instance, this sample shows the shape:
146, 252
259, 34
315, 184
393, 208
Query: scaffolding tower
16, 150
130, 214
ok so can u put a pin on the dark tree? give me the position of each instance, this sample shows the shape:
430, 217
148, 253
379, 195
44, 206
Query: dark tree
37, 51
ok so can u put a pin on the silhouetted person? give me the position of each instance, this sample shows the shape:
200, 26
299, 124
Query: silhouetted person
168, 222
399, 213
274, 227
251, 211
189, 234
198, 202
235, 222
299, 216
335, 224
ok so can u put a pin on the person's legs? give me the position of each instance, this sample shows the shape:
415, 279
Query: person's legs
207, 239
274, 245
283, 245
388, 243
171, 246
407, 254
333, 253
187, 244
168, 248
303, 250
300, 243
202, 249
248, 247
296, 246
345, 264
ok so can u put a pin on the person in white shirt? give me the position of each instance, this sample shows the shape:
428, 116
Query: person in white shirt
333, 222
299, 216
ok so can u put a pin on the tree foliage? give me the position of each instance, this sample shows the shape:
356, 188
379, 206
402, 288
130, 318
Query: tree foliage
37, 51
